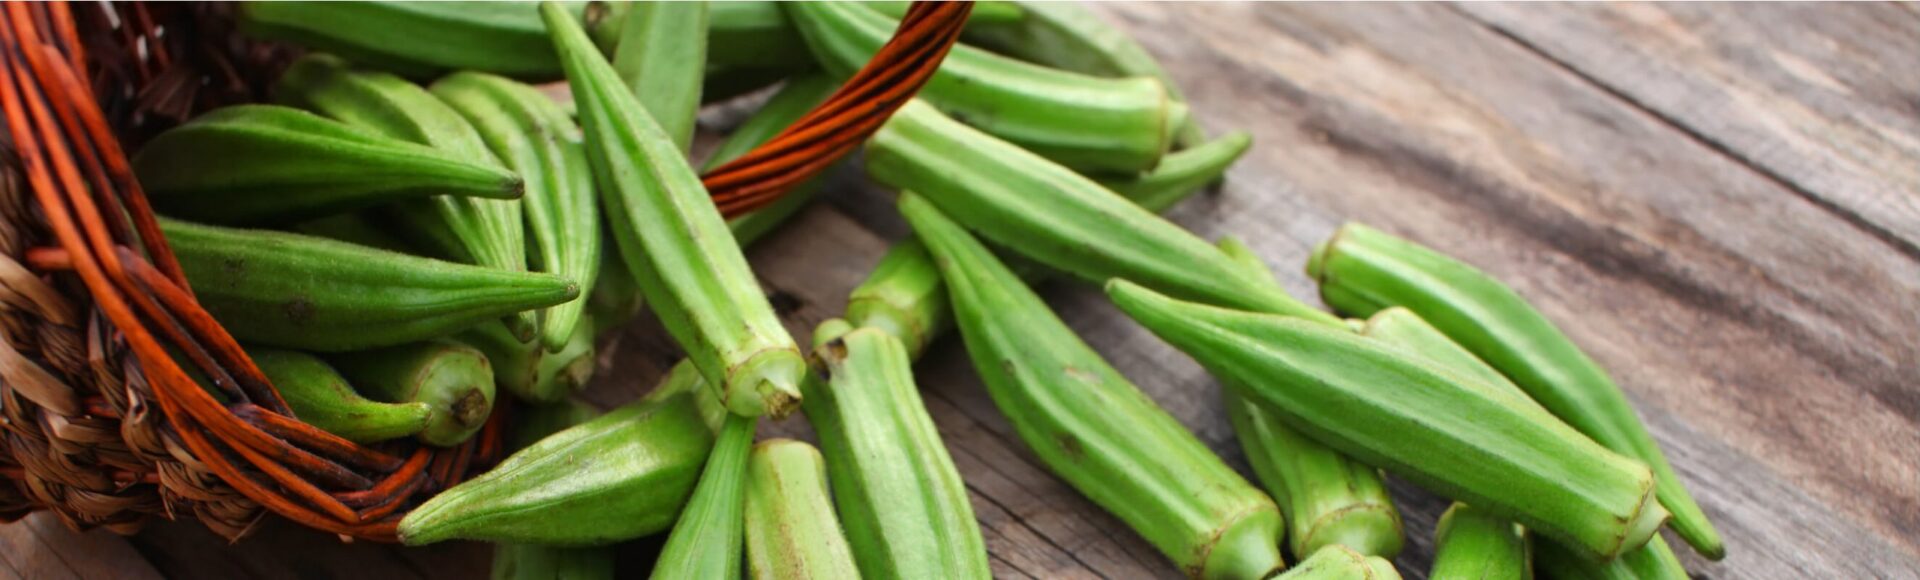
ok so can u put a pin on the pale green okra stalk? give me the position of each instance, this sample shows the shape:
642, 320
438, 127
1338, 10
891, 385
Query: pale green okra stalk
1092, 427
792, 533
900, 499
706, 541
1459, 437
674, 240
1362, 270
453, 379
320, 397
1325, 497
1054, 216
1338, 562
1121, 126
533, 137
662, 58
1471, 544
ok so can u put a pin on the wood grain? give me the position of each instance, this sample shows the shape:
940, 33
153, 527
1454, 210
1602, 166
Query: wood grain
1718, 203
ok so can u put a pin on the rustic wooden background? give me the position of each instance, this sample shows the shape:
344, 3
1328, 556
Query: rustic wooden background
1721, 203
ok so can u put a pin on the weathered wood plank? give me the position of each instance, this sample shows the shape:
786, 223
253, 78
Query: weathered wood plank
1712, 292
40, 546
1822, 97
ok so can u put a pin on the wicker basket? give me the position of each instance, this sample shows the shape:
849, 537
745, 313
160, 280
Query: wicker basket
101, 425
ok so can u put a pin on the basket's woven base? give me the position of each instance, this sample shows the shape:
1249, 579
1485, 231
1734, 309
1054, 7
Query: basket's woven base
81, 435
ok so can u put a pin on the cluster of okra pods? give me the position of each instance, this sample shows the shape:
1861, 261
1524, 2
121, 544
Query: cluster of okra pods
411, 226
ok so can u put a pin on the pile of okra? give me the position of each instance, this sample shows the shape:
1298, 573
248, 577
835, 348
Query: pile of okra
413, 224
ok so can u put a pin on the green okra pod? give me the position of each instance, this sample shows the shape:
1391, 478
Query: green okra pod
1325, 497
1092, 427
791, 530
755, 33
675, 242
1362, 270
706, 541
416, 39
662, 58
487, 232
264, 163
316, 294
623, 475
1459, 437
1654, 561
533, 137
538, 562
1090, 123
1054, 216
322, 398
1341, 563
902, 502
1471, 544
516, 364
452, 378
904, 295
1069, 36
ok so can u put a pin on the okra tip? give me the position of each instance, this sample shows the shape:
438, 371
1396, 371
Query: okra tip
770, 379
1357, 527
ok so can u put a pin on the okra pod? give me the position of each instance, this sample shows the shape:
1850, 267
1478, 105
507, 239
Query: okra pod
566, 372
623, 475
1459, 437
792, 532
1325, 497
662, 59
1341, 563
674, 240
755, 33
1054, 216
538, 562
320, 397
416, 39
1092, 427
451, 378
316, 294
904, 295
516, 364
487, 232
902, 502
263, 163
1068, 36
533, 137
1654, 561
1362, 270
706, 541
1090, 123
1471, 544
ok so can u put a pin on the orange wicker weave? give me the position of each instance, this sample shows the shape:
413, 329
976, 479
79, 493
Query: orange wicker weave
99, 421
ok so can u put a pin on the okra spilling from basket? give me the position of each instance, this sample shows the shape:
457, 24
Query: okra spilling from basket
418, 224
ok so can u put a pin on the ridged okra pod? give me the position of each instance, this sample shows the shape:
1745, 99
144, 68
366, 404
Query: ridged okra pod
451, 378
902, 502
251, 164
1326, 497
904, 295
1402, 328
416, 39
792, 532
1090, 123
1341, 563
1362, 270
1054, 216
1092, 427
1471, 544
1655, 561
537, 562
674, 241
1069, 36
1458, 437
316, 294
706, 542
620, 476
533, 137
322, 398
487, 232
662, 58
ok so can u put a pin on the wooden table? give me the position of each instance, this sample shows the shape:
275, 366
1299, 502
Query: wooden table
1721, 203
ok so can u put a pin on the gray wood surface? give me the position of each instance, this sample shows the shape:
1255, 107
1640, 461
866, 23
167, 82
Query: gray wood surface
1721, 203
